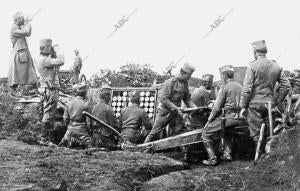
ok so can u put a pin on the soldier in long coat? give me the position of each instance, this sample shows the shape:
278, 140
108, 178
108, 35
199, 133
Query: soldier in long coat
21, 68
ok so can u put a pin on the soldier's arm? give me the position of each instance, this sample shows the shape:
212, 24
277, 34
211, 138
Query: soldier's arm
284, 87
111, 118
165, 93
219, 103
66, 115
24, 30
146, 121
52, 62
187, 99
247, 88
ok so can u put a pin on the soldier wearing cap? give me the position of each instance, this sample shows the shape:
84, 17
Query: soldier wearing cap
227, 99
173, 91
261, 77
201, 97
296, 82
77, 132
47, 65
103, 137
77, 66
21, 68
134, 121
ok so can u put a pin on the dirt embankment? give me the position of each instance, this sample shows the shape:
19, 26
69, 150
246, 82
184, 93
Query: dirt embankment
278, 171
31, 167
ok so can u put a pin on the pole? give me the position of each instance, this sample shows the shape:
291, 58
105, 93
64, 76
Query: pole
270, 118
261, 135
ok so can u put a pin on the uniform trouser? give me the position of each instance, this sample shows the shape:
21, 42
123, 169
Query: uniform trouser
135, 137
50, 100
75, 139
104, 140
213, 130
257, 114
174, 120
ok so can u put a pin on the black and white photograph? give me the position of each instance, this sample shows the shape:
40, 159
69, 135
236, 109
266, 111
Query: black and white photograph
136, 95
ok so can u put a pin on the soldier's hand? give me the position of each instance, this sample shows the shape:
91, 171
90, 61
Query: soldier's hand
243, 113
180, 111
29, 18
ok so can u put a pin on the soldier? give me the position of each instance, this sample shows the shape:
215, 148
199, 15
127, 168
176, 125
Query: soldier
134, 122
261, 77
50, 84
77, 132
103, 137
77, 66
201, 97
169, 111
21, 69
227, 99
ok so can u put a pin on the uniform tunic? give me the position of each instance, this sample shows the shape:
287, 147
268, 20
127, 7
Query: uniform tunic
77, 132
49, 81
200, 97
21, 68
134, 123
173, 91
261, 77
228, 99
104, 137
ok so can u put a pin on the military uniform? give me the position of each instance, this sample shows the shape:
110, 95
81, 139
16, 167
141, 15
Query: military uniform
21, 68
228, 99
173, 91
49, 83
261, 77
134, 124
103, 137
77, 132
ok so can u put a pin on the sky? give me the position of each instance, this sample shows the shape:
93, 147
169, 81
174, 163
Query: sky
159, 32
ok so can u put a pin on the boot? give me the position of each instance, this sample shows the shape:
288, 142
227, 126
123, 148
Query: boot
227, 151
186, 154
212, 158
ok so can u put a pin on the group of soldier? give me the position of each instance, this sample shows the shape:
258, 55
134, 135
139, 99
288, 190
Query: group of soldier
233, 101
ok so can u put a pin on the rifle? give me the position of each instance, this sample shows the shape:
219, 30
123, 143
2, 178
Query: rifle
194, 109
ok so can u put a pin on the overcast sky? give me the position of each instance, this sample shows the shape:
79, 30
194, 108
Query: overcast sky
159, 32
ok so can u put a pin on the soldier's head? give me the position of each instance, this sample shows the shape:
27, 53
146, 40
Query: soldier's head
259, 48
76, 52
81, 89
186, 72
207, 80
46, 46
227, 72
297, 73
19, 18
105, 96
135, 98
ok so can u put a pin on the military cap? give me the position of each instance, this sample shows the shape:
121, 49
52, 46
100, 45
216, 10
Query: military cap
209, 76
259, 45
45, 42
18, 15
227, 69
135, 97
188, 68
297, 73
